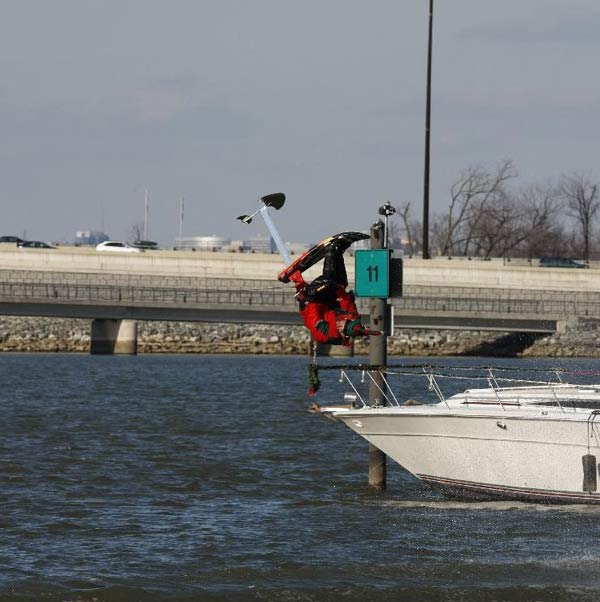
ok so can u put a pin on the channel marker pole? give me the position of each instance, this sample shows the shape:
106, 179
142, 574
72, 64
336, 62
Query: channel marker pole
377, 357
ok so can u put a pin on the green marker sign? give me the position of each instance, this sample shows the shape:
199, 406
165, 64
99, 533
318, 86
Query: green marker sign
372, 273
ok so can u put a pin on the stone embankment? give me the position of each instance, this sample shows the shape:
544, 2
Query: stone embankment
20, 334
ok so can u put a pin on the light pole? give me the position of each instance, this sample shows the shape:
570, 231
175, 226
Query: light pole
387, 211
427, 136
146, 203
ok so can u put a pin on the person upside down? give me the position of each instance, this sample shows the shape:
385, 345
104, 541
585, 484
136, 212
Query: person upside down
327, 308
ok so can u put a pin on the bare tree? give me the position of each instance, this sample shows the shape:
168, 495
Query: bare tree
409, 227
470, 196
516, 220
489, 216
394, 233
540, 232
496, 229
136, 231
582, 202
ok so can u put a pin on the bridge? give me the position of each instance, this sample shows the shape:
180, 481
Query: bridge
247, 302
116, 292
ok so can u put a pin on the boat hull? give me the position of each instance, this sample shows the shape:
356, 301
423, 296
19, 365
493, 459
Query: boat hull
482, 492
536, 457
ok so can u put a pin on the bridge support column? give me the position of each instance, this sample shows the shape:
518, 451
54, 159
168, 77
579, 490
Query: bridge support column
563, 326
114, 337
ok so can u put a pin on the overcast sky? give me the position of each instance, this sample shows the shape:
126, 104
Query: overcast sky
222, 101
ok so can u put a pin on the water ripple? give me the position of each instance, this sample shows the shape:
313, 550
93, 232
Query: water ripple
203, 478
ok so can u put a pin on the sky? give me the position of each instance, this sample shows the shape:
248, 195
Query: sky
223, 101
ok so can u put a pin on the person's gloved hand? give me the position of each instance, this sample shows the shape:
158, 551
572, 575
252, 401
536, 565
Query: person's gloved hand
353, 328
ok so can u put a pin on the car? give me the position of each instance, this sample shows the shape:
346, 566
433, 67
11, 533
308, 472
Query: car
34, 244
145, 244
13, 239
561, 262
116, 246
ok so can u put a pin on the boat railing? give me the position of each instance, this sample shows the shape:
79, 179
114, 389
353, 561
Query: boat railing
493, 383
387, 392
556, 397
591, 422
433, 386
505, 389
345, 378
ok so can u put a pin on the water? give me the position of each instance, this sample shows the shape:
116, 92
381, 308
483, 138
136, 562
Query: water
204, 478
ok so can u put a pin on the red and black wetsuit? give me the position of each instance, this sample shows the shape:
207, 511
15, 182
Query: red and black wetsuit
325, 304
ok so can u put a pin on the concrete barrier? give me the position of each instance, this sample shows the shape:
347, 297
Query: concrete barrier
439, 272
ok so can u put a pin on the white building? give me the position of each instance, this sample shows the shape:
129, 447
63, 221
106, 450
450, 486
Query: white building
202, 243
90, 237
260, 244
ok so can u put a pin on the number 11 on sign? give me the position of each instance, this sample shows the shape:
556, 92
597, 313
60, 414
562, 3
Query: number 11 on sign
372, 273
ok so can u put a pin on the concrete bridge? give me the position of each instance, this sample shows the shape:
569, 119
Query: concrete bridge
116, 291
114, 309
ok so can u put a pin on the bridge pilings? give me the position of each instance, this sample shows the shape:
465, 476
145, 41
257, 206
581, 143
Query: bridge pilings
113, 337
570, 323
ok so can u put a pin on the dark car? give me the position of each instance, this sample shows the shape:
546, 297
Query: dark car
145, 244
34, 244
13, 239
561, 262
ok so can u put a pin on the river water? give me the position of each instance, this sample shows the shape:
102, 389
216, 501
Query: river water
204, 478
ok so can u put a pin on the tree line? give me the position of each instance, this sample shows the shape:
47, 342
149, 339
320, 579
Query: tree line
491, 214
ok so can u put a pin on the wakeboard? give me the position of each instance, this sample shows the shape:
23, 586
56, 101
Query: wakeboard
317, 252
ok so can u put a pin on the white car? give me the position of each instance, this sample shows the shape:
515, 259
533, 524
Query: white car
115, 245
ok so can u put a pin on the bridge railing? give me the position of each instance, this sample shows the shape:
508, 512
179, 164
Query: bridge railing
281, 299
132, 295
544, 308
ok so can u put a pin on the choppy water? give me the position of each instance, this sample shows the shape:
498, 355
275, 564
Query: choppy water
204, 478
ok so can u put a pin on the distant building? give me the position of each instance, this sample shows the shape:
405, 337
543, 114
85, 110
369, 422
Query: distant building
257, 244
202, 243
296, 248
90, 237
235, 246
260, 244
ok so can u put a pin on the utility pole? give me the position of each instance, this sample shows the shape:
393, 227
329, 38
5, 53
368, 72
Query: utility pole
180, 220
146, 215
426, 254
377, 357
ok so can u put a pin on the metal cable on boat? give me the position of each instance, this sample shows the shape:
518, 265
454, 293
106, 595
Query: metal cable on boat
425, 369
381, 390
344, 376
479, 368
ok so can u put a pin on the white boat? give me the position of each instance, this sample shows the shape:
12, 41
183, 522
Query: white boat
533, 442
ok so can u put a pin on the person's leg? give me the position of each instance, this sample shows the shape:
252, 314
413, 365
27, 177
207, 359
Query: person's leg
334, 267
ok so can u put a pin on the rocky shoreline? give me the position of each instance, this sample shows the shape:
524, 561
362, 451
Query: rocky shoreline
24, 334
